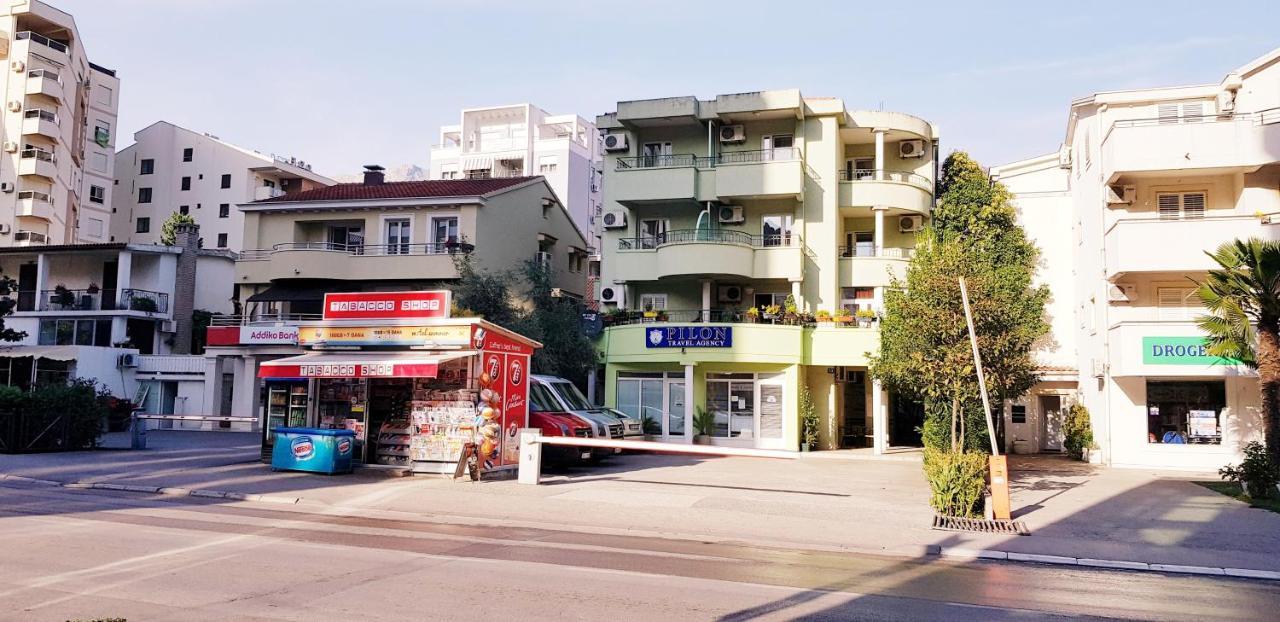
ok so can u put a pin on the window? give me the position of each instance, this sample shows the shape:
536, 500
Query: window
184, 209
1180, 112
147, 166
763, 300
97, 194
656, 399
79, 332
346, 237
1179, 413
186, 183
144, 195
444, 230
858, 169
855, 298
1018, 413
104, 94
859, 244
1178, 303
222, 240
548, 164
101, 132
98, 162
91, 227
449, 173
576, 257
777, 147
1181, 205
188, 154
224, 210
226, 180
652, 232
653, 302
731, 399
143, 225
397, 235
656, 154
776, 229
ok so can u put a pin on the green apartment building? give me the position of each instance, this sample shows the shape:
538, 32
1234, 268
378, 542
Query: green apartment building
714, 207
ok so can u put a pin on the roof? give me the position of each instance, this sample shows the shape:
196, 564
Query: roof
100, 68
402, 190
52, 248
268, 160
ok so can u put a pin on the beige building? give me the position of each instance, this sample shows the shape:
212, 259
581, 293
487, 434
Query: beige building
716, 207
388, 236
59, 131
1153, 179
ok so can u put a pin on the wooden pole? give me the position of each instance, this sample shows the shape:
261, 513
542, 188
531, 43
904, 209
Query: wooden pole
977, 362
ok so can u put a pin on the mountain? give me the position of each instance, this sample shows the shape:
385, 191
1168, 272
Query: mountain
403, 172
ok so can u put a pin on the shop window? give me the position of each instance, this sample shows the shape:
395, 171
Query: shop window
1018, 413
1187, 412
731, 398
657, 401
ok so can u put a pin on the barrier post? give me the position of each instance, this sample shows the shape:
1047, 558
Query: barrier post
530, 456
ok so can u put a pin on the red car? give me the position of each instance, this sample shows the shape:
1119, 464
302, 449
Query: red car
551, 421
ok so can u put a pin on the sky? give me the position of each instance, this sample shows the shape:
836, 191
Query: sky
343, 83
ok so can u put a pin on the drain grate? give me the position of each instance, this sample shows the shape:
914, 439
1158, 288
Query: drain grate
1006, 527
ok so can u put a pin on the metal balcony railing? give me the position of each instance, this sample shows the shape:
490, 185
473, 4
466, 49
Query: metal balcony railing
777, 154
42, 114
710, 236
1260, 117
38, 154
263, 319
28, 238
657, 161
42, 40
143, 300
35, 196
869, 174
47, 74
433, 248
870, 251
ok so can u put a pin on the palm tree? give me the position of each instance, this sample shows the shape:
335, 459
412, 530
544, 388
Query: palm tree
1243, 300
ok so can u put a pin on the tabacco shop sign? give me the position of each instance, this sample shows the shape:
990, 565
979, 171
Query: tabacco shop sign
386, 305
1179, 351
689, 337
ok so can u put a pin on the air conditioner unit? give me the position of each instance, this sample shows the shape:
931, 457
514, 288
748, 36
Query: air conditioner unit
1121, 194
15, 106
10, 146
1064, 156
613, 294
1099, 368
733, 134
168, 326
1121, 292
4, 228
730, 215
18, 66
615, 220
910, 224
127, 360
729, 293
615, 142
911, 149
6, 187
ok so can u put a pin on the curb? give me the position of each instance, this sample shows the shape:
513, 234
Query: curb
965, 554
154, 490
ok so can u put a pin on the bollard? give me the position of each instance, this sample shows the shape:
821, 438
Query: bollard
137, 431
530, 456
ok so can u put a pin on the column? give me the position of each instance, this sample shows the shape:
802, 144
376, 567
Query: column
591, 387
212, 385
706, 301
42, 282
879, 418
124, 269
688, 402
879, 133
795, 293
879, 211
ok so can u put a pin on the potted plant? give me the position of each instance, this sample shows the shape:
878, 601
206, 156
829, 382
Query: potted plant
753, 315
93, 288
144, 304
789, 305
808, 421
704, 425
822, 315
843, 316
865, 317
772, 312
63, 297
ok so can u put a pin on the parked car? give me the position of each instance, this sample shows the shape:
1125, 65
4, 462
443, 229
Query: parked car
572, 400
544, 414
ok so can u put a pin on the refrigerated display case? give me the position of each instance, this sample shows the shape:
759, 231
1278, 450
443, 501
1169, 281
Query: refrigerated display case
286, 406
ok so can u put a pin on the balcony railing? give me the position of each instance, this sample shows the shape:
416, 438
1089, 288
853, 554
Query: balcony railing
143, 300
1260, 117
63, 299
724, 316
28, 238
38, 154
777, 154
42, 40
870, 251
712, 236
263, 319
433, 248
657, 161
40, 113
870, 174
35, 196
47, 74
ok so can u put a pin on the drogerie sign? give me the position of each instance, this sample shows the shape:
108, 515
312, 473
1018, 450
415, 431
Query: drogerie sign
386, 305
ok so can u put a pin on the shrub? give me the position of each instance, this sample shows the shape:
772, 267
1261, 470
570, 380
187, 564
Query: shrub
1257, 470
822, 315
956, 481
808, 420
704, 422
1077, 431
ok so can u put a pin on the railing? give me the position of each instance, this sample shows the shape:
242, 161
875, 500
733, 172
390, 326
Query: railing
722, 316
42, 40
713, 236
1261, 117
657, 161
47, 74
433, 248
38, 154
143, 300
263, 193
171, 363
40, 113
71, 300
27, 238
263, 319
870, 251
777, 154
35, 196
870, 174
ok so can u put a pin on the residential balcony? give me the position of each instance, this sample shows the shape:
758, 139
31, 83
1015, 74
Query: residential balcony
824, 343
171, 364
663, 178
905, 190
760, 174
263, 193
39, 162
322, 260
26, 42
45, 82
35, 204
1159, 348
864, 267
1174, 245
142, 301
720, 252
39, 121
29, 238
1224, 143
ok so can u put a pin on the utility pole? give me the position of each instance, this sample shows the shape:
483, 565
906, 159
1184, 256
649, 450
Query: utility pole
998, 464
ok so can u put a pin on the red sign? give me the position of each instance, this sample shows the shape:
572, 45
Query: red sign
515, 412
371, 369
386, 305
491, 340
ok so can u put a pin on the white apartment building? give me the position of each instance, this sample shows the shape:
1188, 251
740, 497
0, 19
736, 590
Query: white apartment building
57, 123
172, 169
1152, 179
522, 140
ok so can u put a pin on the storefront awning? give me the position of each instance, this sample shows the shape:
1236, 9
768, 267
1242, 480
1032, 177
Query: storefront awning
282, 292
358, 365
53, 353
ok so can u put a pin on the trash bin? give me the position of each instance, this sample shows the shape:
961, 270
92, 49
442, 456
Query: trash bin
313, 449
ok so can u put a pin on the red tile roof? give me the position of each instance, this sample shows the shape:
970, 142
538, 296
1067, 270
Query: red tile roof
401, 190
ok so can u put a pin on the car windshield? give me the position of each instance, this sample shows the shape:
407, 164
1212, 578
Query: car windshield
540, 399
571, 395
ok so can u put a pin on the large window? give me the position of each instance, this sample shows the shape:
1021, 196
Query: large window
746, 406
776, 229
655, 398
444, 230
397, 235
75, 332
1185, 412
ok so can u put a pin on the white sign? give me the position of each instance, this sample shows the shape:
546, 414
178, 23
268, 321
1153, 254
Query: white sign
269, 335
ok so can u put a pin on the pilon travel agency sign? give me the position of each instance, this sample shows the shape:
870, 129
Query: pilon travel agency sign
689, 337
387, 305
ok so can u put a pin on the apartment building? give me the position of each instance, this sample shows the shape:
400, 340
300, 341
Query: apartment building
1154, 179
522, 140
58, 120
173, 169
713, 208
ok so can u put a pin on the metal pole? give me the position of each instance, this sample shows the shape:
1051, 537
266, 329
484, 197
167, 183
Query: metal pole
977, 361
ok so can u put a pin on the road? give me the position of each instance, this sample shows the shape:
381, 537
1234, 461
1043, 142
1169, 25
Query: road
67, 554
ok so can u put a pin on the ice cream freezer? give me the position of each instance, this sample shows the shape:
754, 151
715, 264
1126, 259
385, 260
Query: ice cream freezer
314, 450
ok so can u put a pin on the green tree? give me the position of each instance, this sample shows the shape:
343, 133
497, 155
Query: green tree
8, 302
168, 231
1242, 297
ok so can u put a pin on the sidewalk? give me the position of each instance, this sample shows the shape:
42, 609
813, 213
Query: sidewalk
1072, 509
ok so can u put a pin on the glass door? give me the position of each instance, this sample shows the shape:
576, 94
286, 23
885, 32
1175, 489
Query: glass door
346, 237
776, 229
397, 236
675, 409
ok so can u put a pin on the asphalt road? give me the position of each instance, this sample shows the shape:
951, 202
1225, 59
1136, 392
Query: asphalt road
68, 554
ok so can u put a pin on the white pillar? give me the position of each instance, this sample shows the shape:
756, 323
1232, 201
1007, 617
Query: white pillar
591, 387
795, 293
688, 402
879, 418
879, 133
124, 270
879, 211
530, 470
706, 301
42, 281
212, 385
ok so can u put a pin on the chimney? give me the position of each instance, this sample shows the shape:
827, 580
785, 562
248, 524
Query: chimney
187, 238
373, 175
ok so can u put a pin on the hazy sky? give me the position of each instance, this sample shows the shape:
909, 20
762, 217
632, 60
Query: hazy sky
350, 82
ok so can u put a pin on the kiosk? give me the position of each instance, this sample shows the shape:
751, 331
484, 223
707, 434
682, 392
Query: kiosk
412, 384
